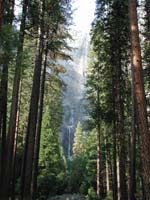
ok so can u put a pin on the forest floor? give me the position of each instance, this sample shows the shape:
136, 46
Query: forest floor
68, 197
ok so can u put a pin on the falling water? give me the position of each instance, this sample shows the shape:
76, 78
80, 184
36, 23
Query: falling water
69, 142
73, 101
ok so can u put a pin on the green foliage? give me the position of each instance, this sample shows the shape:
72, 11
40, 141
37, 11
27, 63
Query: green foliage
8, 42
56, 21
91, 156
109, 196
83, 167
51, 165
78, 163
79, 141
108, 81
92, 194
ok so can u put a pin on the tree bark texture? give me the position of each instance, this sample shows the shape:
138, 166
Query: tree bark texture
140, 97
3, 101
38, 129
32, 120
120, 110
14, 106
117, 61
132, 169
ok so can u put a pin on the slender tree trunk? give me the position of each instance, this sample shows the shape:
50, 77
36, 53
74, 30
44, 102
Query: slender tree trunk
115, 192
118, 178
38, 129
122, 160
3, 101
120, 117
107, 167
98, 166
115, 182
25, 138
15, 147
140, 97
132, 167
3, 120
32, 120
1, 13
147, 8
119, 106
98, 149
14, 106
99, 175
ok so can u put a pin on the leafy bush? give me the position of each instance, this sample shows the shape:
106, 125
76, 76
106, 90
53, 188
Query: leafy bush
92, 194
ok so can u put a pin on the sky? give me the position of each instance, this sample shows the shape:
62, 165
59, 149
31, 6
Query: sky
84, 14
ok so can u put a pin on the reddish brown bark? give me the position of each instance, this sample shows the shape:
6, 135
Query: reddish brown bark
140, 97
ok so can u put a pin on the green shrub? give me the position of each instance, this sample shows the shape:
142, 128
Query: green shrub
92, 194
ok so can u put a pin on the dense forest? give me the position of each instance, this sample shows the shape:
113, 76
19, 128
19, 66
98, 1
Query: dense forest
110, 152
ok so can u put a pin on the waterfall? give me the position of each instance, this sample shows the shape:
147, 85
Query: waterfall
69, 142
70, 128
73, 99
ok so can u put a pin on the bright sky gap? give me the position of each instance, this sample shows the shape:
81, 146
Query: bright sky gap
83, 15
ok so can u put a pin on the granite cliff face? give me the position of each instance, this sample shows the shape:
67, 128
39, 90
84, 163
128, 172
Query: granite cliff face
74, 96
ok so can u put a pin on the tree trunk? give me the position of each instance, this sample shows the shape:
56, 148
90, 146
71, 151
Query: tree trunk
115, 192
14, 106
32, 120
115, 182
117, 61
140, 97
107, 167
118, 178
38, 129
132, 172
1, 13
99, 175
14, 164
122, 159
119, 111
98, 166
3, 120
147, 8
3, 101
120, 116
